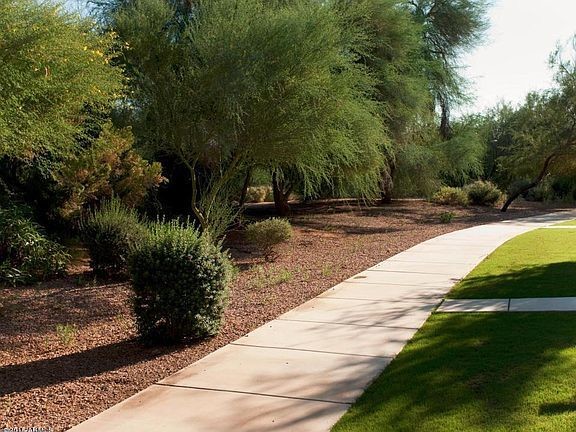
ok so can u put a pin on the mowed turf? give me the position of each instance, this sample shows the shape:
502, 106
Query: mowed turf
569, 223
477, 372
540, 263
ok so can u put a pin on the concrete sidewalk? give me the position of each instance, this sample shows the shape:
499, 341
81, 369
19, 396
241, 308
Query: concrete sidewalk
302, 371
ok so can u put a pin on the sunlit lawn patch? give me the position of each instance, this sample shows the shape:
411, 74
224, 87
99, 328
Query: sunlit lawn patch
477, 372
540, 263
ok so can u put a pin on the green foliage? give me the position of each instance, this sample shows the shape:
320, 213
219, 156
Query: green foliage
447, 195
299, 101
447, 217
427, 161
53, 64
109, 166
26, 254
483, 193
540, 193
110, 233
180, 280
258, 194
418, 164
66, 333
267, 234
265, 277
390, 45
462, 156
450, 28
221, 213
544, 139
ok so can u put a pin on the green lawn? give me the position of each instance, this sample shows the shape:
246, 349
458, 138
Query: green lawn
569, 223
477, 372
540, 263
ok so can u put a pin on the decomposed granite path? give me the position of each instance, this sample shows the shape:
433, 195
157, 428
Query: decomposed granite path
302, 371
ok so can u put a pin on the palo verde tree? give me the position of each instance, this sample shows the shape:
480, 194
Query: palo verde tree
391, 47
450, 28
545, 130
234, 84
52, 64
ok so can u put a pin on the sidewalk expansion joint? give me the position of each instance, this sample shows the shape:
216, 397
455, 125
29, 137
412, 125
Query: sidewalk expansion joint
253, 393
363, 281
437, 299
347, 324
390, 357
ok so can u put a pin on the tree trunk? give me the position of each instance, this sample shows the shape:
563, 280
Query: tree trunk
445, 128
387, 185
530, 185
280, 196
245, 187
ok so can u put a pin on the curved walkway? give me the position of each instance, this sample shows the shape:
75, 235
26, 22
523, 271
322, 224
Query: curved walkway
303, 370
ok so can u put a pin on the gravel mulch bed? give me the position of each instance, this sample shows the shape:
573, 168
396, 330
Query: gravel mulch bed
68, 348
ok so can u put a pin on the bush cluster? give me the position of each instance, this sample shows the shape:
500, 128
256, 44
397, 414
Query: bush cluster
26, 254
258, 194
450, 196
267, 234
180, 280
110, 233
483, 193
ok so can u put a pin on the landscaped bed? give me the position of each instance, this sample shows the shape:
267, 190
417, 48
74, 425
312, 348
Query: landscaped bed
540, 263
477, 373
68, 348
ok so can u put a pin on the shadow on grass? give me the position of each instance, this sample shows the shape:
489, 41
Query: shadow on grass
549, 280
476, 372
43, 373
557, 408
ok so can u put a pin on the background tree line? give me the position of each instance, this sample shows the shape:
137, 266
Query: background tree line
179, 107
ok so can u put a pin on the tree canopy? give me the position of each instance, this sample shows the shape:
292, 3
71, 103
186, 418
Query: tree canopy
52, 64
274, 86
450, 28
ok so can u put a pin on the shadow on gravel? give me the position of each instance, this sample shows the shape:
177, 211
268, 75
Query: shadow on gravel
106, 358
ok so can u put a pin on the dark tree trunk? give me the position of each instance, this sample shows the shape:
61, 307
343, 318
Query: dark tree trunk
445, 128
387, 184
281, 195
245, 187
530, 185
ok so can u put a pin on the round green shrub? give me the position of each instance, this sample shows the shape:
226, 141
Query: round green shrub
180, 281
483, 193
450, 196
265, 235
26, 254
447, 217
110, 233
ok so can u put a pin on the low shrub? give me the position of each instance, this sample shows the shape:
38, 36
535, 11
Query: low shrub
447, 217
180, 281
450, 196
66, 333
483, 193
258, 194
110, 233
267, 234
26, 254
255, 194
265, 277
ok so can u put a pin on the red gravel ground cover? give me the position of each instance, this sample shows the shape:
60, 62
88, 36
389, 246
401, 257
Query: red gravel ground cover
57, 378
